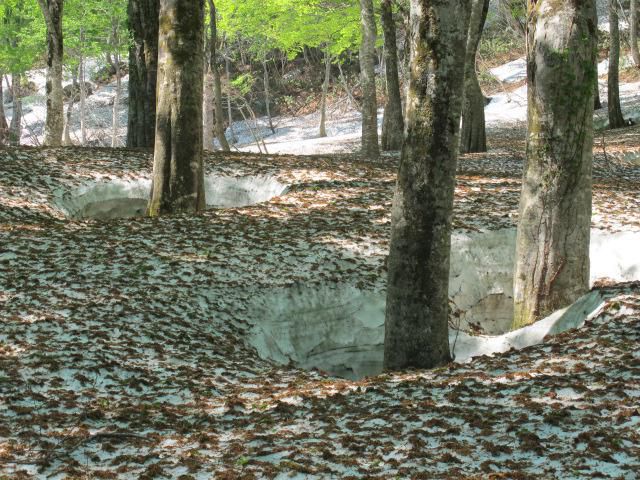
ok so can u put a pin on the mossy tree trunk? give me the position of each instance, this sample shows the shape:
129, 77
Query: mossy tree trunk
393, 121
552, 252
370, 148
142, 17
217, 83
178, 174
473, 137
52, 11
616, 120
417, 313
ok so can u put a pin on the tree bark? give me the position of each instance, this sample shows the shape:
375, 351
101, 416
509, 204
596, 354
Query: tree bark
178, 173
4, 127
370, 148
552, 252
417, 312
616, 120
143, 70
633, 32
15, 127
393, 121
473, 137
229, 110
52, 11
217, 84
325, 91
83, 100
597, 104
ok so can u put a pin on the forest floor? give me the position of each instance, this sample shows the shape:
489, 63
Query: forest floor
124, 347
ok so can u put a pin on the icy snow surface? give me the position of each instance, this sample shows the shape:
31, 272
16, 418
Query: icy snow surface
107, 200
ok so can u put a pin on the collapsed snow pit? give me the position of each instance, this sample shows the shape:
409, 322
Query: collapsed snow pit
339, 329
110, 200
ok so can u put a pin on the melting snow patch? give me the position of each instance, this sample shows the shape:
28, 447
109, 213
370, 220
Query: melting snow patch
113, 199
340, 329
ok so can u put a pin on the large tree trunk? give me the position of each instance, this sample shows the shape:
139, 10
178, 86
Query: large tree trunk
633, 34
616, 120
417, 314
473, 137
54, 124
393, 121
552, 252
15, 128
178, 173
217, 83
143, 71
370, 147
325, 91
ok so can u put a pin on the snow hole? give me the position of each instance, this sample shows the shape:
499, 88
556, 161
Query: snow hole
114, 199
339, 329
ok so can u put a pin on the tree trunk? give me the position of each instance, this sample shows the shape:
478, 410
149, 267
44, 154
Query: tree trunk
83, 99
4, 127
473, 137
616, 120
67, 125
54, 124
15, 128
116, 100
217, 84
229, 111
208, 111
143, 70
417, 313
597, 104
370, 147
267, 99
393, 121
325, 91
552, 252
633, 32
178, 173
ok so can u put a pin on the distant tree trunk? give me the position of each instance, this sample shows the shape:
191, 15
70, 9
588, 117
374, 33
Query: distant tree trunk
208, 111
143, 70
417, 313
116, 100
393, 121
267, 99
178, 173
552, 253
473, 137
217, 84
325, 91
83, 98
4, 127
15, 128
54, 124
616, 120
229, 111
370, 146
597, 104
67, 124
343, 80
633, 20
